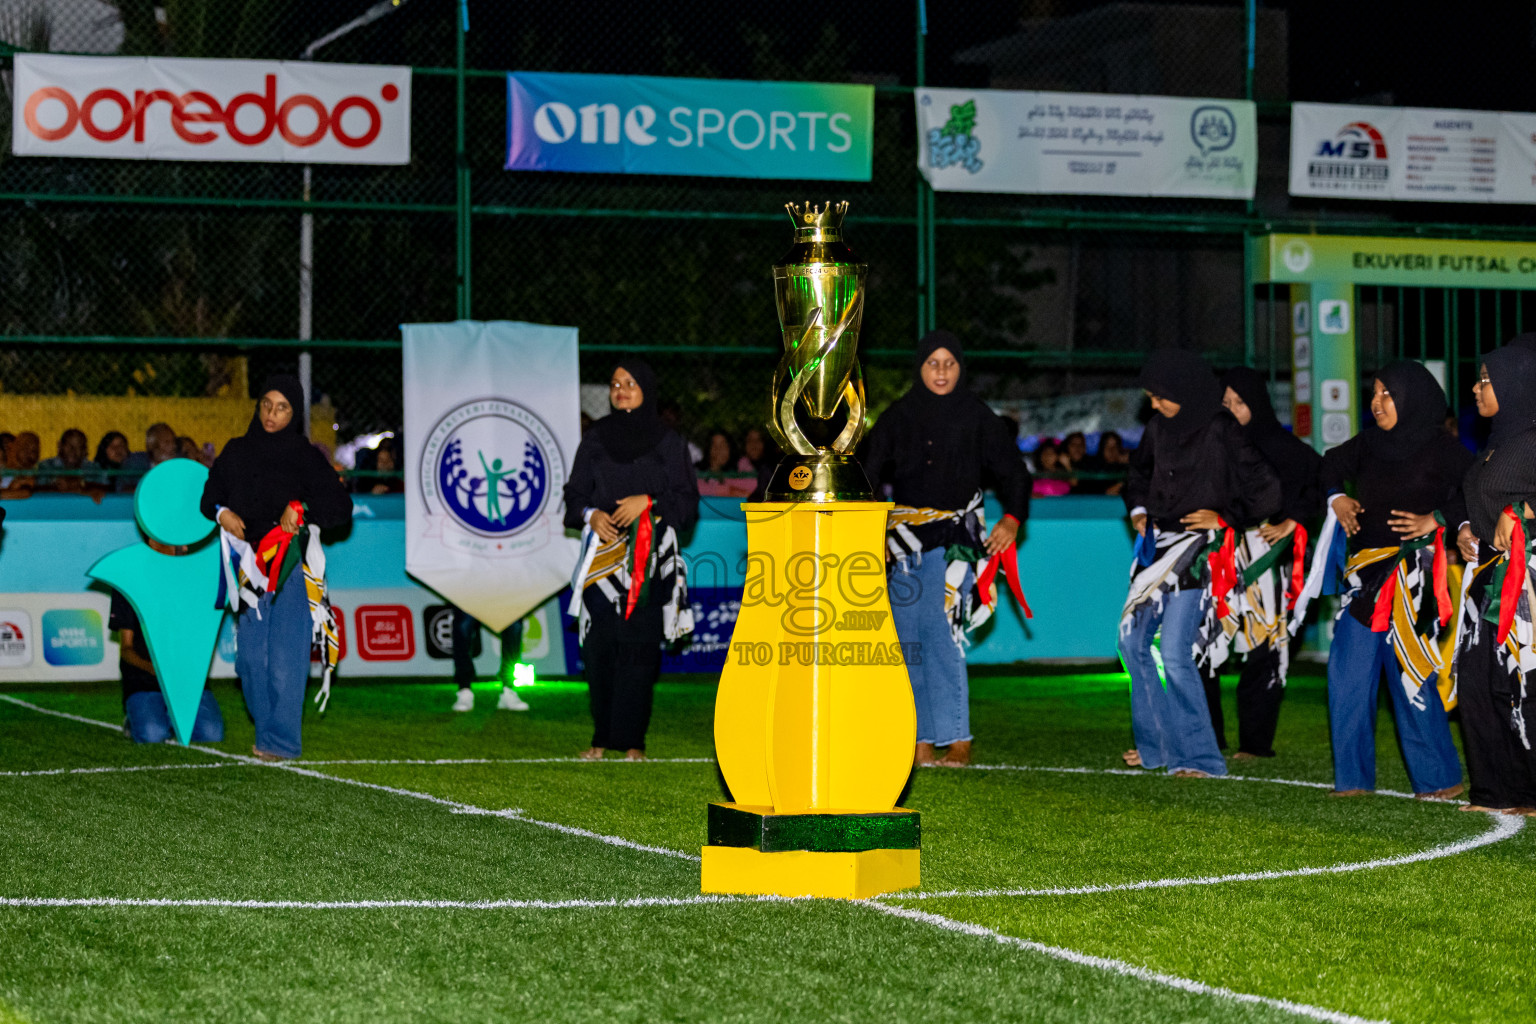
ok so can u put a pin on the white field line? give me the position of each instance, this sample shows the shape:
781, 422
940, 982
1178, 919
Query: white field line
453, 805
1144, 773
1504, 826
113, 769
936, 920
506, 760
1120, 966
637, 902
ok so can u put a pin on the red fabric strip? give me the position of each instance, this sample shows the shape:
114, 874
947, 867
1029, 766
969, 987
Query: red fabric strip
1298, 564
1381, 617
1514, 576
274, 547
642, 559
1442, 589
1223, 566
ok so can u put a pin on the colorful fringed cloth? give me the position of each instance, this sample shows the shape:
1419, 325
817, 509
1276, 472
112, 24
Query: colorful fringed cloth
624, 572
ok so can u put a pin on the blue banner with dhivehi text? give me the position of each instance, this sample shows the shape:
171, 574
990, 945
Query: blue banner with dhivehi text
618, 124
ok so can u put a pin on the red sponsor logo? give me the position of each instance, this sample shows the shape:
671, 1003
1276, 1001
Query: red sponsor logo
109, 114
1301, 419
385, 633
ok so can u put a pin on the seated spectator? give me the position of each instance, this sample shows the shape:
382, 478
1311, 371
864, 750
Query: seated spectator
21, 457
1114, 458
186, 448
718, 475
148, 720
384, 462
719, 453
111, 452
1075, 448
1051, 469
72, 449
757, 452
159, 446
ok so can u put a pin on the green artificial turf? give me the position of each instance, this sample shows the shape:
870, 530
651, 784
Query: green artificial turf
1446, 939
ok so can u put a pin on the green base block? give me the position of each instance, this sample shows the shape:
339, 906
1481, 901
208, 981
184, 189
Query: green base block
759, 828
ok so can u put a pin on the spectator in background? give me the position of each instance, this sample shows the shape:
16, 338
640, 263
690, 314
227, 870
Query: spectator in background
72, 449
186, 448
6, 437
1114, 458
20, 460
384, 462
757, 452
719, 453
159, 446
671, 415
147, 720
1051, 480
111, 453
1075, 447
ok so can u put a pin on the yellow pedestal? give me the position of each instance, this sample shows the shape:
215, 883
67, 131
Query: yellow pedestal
814, 712
851, 876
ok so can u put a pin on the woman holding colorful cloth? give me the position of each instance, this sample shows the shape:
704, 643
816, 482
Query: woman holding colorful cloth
271, 492
1195, 484
1407, 472
1494, 655
632, 488
936, 447
1270, 559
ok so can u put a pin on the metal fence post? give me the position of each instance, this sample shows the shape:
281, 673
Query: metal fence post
923, 220
462, 197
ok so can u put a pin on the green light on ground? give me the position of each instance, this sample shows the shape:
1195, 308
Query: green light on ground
523, 674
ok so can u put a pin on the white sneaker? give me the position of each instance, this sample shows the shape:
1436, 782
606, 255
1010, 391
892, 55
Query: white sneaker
466, 700
510, 701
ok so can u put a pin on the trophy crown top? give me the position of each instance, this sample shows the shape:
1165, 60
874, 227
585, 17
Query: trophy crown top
808, 216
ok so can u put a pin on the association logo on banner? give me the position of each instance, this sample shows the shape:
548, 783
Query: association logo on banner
1355, 158
166, 108
15, 638
954, 143
488, 467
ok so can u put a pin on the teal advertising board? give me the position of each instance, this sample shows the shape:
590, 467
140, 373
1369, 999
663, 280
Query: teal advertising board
621, 124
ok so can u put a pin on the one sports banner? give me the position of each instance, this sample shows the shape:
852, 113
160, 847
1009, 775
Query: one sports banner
620, 124
491, 423
168, 108
1413, 153
985, 140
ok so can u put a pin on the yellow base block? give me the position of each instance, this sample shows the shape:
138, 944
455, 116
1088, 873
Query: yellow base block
851, 876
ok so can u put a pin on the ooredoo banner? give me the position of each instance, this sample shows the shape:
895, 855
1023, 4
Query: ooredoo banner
492, 415
166, 108
985, 140
696, 126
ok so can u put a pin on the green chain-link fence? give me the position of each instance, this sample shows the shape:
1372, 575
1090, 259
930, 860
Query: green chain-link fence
183, 279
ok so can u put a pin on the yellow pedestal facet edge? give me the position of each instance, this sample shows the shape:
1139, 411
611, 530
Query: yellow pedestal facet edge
849, 876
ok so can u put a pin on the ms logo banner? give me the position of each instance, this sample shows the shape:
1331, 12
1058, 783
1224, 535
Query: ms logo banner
491, 425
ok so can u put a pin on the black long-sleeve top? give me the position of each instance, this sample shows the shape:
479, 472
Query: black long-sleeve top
1300, 469
945, 472
1498, 478
258, 488
1428, 482
665, 472
1212, 467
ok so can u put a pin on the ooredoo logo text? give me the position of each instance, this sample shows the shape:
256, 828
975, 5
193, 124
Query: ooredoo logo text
164, 108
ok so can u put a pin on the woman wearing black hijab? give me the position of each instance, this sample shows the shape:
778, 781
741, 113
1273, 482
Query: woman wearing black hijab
937, 446
1270, 557
1490, 681
632, 487
1407, 472
263, 489
1195, 483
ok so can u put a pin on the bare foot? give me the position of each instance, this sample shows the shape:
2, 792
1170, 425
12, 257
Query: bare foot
1448, 793
958, 755
924, 755
1485, 810
1243, 755
592, 754
1191, 773
266, 755
1350, 792
1132, 757
1524, 812
634, 754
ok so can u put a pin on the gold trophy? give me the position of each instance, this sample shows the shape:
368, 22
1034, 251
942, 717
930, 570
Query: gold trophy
819, 289
814, 720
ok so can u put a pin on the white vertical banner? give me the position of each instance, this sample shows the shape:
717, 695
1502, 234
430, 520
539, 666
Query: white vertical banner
492, 420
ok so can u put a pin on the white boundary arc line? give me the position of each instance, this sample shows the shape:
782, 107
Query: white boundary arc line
1503, 828
113, 769
505, 760
949, 924
453, 805
1120, 966
1143, 773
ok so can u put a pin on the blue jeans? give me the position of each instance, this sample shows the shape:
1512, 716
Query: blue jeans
272, 658
1355, 664
1172, 724
150, 722
939, 685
